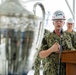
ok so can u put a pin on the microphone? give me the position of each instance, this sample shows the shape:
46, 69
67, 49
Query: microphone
61, 31
60, 56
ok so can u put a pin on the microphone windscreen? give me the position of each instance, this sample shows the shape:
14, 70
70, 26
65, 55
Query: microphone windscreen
61, 31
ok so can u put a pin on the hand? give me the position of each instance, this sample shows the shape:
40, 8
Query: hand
55, 47
45, 53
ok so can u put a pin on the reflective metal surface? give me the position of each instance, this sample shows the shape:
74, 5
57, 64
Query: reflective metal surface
22, 32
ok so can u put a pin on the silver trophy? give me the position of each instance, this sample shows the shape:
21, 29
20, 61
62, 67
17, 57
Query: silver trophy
22, 32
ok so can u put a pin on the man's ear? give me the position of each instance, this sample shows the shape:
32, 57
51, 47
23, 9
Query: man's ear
66, 24
53, 23
63, 23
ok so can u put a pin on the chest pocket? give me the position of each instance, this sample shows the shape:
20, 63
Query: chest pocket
53, 39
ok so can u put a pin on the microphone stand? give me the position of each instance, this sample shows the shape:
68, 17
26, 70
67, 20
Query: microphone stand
60, 55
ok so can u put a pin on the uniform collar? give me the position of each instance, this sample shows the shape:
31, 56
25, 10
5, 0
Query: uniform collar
56, 32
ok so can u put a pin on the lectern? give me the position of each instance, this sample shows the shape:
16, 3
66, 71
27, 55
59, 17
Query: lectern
69, 57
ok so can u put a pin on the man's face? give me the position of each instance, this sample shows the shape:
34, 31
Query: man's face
70, 25
58, 24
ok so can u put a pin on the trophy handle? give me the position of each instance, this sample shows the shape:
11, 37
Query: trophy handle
41, 26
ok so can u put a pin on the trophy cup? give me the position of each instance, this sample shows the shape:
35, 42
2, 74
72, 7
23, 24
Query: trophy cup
23, 32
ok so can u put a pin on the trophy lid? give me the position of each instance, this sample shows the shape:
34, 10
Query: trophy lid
13, 8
